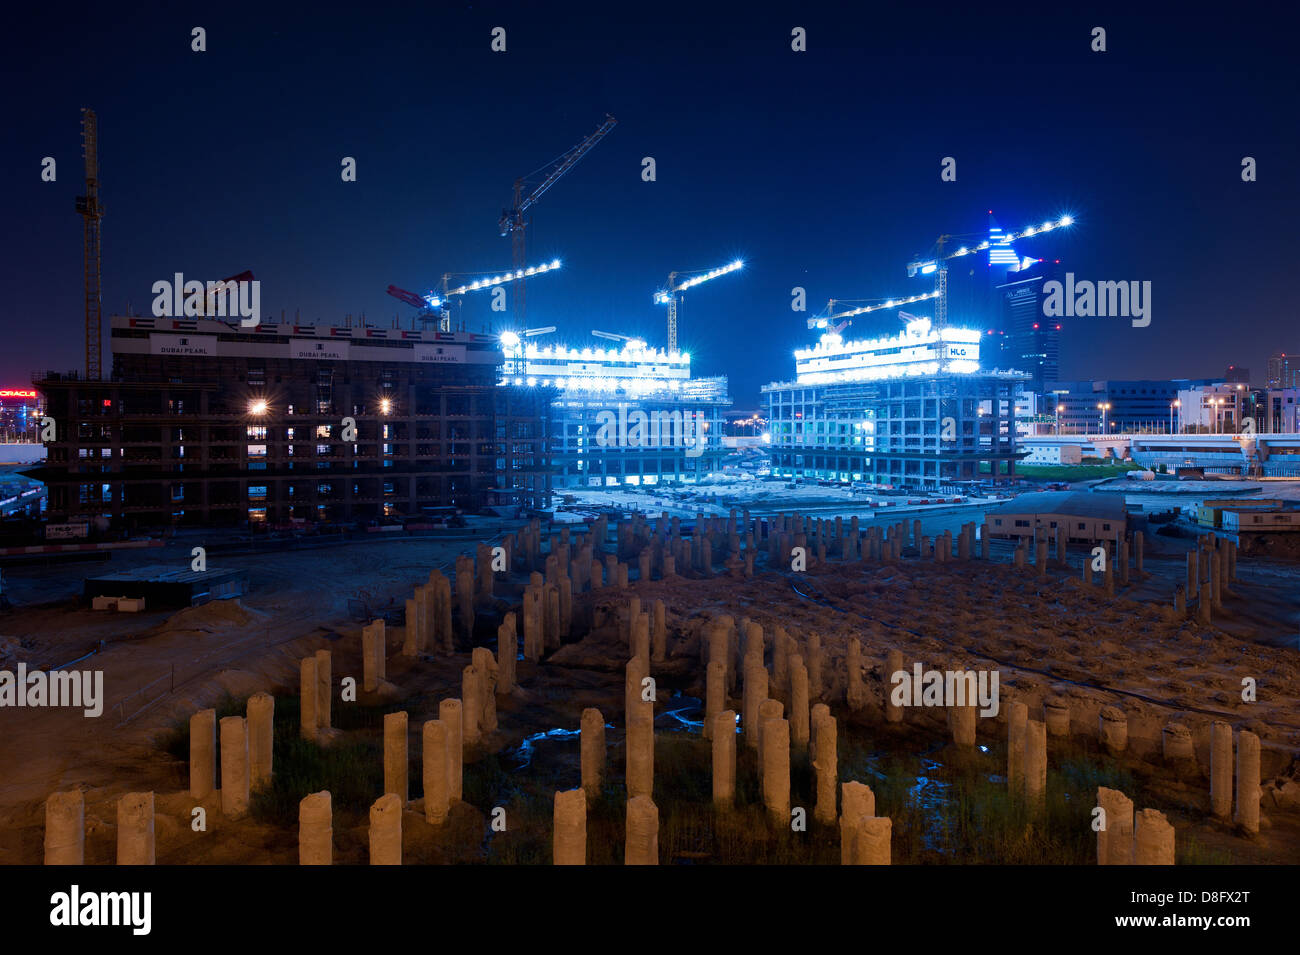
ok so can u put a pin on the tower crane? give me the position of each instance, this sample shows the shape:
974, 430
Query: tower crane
937, 262
91, 212
836, 322
514, 221
671, 295
436, 305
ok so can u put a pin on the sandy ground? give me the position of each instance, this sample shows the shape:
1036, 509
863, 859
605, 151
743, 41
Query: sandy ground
1046, 637
297, 603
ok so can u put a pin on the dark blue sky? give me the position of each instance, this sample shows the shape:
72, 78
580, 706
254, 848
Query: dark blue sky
820, 169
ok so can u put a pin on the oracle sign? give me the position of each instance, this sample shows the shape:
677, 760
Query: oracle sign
17, 393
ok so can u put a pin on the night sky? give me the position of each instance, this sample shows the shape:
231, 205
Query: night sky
820, 169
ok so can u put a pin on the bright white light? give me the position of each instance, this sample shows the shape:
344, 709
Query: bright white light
890, 304
509, 340
662, 298
1067, 220
385, 406
257, 406
928, 268
505, 277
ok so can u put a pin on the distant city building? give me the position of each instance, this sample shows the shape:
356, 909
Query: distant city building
1143, 406
1277, 371
1280, 410
20, 414
1032, 342
624, 416
208, 423
887, 411
1237, 375
1050, 449
1214, 408
1035, 414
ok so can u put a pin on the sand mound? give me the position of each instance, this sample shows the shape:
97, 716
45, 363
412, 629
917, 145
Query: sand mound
211, 617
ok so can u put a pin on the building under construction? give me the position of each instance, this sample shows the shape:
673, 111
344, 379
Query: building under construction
205, 422
623, 416
906, 410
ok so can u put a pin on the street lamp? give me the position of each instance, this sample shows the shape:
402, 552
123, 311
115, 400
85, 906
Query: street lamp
1059, 409
1176, 404
1105, 407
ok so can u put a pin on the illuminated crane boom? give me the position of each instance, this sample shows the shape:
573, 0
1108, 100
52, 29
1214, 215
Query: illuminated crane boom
824, 321
671, 296
938, 263
434, 305
614, 337
513, 222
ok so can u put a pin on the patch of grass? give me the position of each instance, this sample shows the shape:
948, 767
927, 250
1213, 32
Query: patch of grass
1190, 851
1071, 472
352, 771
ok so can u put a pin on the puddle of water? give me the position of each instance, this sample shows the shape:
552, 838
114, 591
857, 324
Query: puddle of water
524, 751
932, 795
685, 714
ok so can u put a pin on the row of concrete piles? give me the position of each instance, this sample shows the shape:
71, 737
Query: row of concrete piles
796, 680
1027, 777
466, 722
1211, 570
660, 551
245, 750
776, 737
244, 756
783, 721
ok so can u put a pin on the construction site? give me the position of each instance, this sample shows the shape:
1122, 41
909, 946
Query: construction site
729, 689
656, 692
587, 558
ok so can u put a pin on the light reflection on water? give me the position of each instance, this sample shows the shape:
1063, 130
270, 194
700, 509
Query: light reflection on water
684, 715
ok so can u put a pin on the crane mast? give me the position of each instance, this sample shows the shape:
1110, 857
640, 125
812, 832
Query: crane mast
670, 294
91, 212
513, 221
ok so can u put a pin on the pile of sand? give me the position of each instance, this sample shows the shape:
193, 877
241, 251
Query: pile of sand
212, 617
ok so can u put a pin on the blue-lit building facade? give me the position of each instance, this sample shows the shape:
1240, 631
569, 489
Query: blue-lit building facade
907, 410
623, 416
